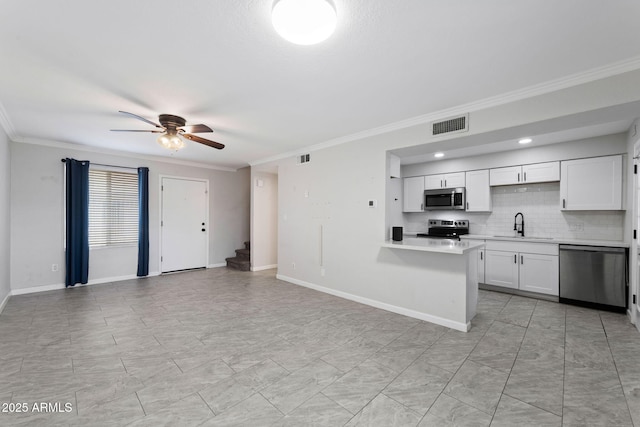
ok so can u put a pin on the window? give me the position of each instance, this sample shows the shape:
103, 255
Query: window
113, 208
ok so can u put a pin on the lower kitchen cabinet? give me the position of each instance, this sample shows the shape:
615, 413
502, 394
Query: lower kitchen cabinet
528, 267
539, 273
501, 269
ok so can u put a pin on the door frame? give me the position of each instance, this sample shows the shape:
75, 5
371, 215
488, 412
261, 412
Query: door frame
160, 208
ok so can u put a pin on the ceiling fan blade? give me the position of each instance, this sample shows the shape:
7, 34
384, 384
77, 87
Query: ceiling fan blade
197, 128
141, 118
203, 141
136, 130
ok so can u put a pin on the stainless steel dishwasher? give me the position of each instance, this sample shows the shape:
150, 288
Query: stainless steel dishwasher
594, 276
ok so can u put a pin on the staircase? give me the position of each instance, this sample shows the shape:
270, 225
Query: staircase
242, 260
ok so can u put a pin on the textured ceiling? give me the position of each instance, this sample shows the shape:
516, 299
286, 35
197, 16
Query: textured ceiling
67, 67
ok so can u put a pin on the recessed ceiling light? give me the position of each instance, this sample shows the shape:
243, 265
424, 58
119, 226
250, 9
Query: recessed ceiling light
438, 155
525, 141
304, 22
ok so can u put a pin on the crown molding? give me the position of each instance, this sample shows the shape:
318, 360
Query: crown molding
90, 149
566, 82
6, 123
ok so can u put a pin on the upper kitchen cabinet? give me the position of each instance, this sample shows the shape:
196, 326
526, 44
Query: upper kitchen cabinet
591, 184
525, 174
478, 191
413, 194
447, 180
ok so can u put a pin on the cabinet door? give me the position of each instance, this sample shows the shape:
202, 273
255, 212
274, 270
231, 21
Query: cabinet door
505, 176
541, 172
454, 180
501, 269
591, 184
413, 194
433, 182
481, 256
478, 191
539, 273
394, 166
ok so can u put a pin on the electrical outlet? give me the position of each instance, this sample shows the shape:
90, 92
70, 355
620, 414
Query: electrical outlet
54, 267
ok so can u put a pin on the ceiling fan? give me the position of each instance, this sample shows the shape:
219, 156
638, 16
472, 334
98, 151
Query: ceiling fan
172, 128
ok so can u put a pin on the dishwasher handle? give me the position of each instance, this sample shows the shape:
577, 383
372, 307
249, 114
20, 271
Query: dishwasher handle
599, 249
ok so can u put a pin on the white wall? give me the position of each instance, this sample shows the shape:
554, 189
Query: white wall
264, 220
339, 180
37, 215
5, 207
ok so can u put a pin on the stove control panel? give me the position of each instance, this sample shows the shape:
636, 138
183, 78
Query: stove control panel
449, 223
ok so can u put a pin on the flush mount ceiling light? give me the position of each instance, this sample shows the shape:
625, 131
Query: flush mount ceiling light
304, 22
525, 141
438, 155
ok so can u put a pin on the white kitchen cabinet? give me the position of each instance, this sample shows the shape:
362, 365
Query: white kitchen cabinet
447, 180
478, 191
413, 194
505, 176
525, 174
531, 267
501, 269
591, 184
481, 256
541, 172
539, 273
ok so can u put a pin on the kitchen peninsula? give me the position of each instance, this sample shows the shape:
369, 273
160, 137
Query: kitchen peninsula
449, 264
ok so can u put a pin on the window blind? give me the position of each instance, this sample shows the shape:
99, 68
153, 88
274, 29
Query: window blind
113, 208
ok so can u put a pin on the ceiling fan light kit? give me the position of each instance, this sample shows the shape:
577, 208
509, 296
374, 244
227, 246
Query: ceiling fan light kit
172, 129
304, 22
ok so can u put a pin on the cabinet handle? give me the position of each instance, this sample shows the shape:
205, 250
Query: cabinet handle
525, 177
441, 184
445, 183
515, 258
481, 256
421, 206
467, 205
564, 203
521, 259
518, 176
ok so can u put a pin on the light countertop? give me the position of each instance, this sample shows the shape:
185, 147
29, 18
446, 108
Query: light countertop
561, 241
446, 246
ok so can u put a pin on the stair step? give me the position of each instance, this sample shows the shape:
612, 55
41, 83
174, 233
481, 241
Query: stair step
243, 254
238, 264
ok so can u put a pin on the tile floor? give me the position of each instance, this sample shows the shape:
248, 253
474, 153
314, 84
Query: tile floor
225, 348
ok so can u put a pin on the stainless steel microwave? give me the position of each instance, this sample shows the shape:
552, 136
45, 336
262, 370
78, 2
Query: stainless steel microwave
444, 199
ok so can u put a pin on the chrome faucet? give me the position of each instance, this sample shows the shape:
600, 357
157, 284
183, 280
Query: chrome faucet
519, 230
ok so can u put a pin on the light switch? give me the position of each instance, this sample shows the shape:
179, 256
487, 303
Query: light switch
372, 203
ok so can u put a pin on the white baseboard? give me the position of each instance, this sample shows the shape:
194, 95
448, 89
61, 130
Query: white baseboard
222, 264
459, 326
264, 267
58, 286
5, 301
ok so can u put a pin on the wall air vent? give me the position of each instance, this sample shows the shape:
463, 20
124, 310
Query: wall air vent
451, 125
304, 158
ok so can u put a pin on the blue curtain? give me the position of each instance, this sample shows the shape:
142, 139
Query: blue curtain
77, 222
143, 221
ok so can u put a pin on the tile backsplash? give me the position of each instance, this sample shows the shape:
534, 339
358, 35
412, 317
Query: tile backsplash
540, 204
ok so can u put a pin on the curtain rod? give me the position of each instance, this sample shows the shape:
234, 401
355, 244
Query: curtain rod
109, 166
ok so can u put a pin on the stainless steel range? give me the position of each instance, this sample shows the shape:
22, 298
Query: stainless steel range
446, 228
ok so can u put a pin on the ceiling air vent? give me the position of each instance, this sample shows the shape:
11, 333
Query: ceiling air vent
304, 158
451, 125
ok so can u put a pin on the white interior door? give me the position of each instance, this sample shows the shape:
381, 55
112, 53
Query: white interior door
184, 224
